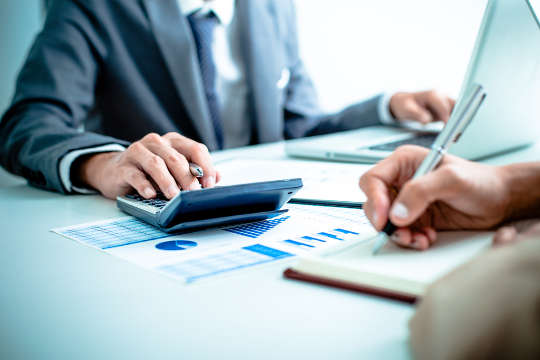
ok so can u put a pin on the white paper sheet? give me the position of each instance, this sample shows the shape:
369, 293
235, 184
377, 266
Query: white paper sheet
190, 257
322, 180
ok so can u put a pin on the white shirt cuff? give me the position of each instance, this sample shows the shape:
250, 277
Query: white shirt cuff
67, 161
384, 110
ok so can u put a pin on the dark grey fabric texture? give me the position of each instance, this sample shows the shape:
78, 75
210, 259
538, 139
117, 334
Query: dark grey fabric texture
103, 72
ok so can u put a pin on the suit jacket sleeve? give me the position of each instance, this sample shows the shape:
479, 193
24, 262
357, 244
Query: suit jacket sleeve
302, 114
54, 95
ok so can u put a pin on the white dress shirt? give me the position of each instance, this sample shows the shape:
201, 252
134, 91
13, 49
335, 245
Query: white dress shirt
232, 88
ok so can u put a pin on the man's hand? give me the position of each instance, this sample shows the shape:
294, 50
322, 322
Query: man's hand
424, 107
459, 194
150, 164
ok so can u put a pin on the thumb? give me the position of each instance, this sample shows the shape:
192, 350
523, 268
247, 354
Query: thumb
417, 195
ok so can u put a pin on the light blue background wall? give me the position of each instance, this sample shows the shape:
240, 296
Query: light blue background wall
19, 22
353, 48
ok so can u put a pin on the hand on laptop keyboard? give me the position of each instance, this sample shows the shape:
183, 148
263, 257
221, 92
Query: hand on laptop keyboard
424, 107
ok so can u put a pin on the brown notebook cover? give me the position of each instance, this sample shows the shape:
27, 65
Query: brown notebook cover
296, 275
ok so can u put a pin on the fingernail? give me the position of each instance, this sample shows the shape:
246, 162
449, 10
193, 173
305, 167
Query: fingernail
416, 242
211, 181
173, 191
375, 218
149, 192
400, 211
195, 186
395, 238
432, 235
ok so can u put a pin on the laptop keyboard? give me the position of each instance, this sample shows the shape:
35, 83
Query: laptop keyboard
425, 140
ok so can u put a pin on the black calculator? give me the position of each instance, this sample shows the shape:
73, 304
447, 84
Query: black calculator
218, 206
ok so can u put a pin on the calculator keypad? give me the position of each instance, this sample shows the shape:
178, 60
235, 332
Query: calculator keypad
159, 201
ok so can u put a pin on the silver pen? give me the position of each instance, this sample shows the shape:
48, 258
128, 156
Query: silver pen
196, 170
447, 137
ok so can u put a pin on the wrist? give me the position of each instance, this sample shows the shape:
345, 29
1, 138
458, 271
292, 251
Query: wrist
522, 193
392, 104
86, 170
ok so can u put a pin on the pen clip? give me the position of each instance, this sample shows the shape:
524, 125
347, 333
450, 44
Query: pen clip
452, 132
461, 118
472, 115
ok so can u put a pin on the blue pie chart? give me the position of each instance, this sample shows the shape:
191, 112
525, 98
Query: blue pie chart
175, 245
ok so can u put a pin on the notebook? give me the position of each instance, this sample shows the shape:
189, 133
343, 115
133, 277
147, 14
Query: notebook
395, 273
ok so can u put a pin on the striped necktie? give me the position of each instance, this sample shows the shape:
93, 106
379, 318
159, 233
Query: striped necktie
203, 33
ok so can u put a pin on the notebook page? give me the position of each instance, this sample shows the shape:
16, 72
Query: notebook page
451, 250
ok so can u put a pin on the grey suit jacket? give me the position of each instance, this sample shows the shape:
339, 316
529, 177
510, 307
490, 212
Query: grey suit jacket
120, 69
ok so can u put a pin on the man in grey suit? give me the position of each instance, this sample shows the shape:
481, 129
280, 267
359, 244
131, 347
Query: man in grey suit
121, 95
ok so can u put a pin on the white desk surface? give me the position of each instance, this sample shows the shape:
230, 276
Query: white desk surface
63, 300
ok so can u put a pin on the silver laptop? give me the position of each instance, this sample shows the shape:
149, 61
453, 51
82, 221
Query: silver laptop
505, 62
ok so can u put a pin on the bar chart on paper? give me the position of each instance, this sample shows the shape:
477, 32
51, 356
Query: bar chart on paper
204, 254
304, 229
329, 226
195, 269
316, 240
256, 230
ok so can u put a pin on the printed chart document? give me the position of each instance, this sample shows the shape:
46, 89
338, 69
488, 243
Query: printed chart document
323, 181
395, 272
303, 230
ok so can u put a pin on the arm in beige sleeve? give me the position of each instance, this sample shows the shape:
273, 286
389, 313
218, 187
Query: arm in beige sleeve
487, 309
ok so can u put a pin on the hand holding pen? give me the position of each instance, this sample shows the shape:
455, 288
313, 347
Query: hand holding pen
457, 195
410, 170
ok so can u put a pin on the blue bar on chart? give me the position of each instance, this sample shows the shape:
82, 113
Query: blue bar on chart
313, 238
268, 251
331, 236
348, 232
255, 230
298, 243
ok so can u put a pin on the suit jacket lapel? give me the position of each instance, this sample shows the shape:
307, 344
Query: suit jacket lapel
175, 40
259, 45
